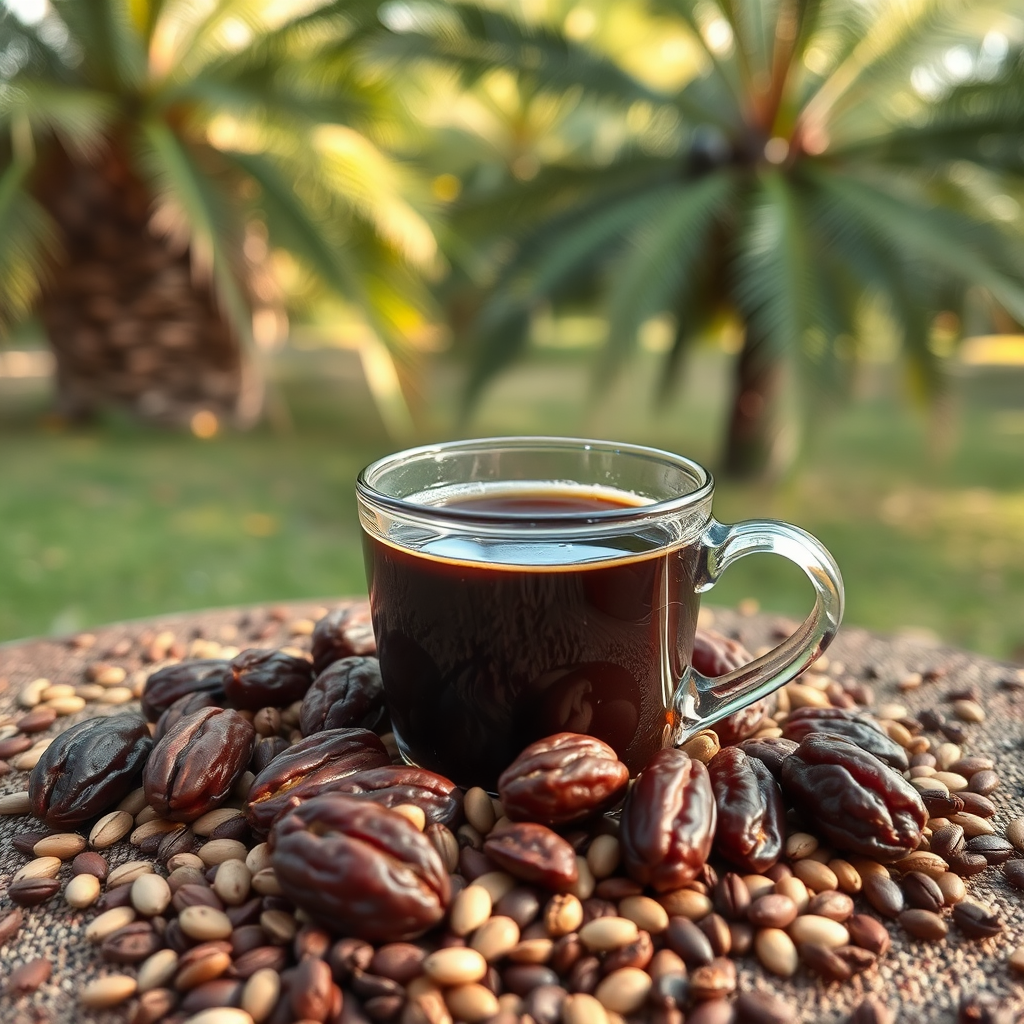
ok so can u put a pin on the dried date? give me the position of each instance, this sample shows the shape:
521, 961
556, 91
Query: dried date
166, 685
771, 751
310, 767
438, 798
751, 816
360, 869
348, 694
194, 767
267, 679
715, 655
88, 768
857, 802
533, 853
856, 728
668, 822
561, 779
342, 633
183, 706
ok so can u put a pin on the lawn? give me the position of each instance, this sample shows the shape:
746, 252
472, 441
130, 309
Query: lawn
117, 522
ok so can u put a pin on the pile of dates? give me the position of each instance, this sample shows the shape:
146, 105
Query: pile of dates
783, 837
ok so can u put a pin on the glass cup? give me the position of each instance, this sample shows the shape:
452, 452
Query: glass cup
523, 586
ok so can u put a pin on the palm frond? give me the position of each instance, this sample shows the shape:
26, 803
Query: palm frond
771, 271
475, 40
669, 247
28, 239
78, 116
112, 49
194, 210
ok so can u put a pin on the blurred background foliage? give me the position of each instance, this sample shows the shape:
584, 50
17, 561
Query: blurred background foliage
248, 245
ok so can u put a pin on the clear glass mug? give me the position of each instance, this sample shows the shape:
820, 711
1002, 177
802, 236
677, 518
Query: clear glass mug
523, 586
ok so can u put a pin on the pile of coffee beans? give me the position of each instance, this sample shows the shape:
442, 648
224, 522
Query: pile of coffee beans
288, 868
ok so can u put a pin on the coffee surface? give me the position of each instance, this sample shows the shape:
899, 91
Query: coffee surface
480, 659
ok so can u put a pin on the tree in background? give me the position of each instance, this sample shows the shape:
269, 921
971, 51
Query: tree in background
154, 156
820, 153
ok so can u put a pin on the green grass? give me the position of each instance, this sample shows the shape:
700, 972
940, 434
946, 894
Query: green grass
117, 522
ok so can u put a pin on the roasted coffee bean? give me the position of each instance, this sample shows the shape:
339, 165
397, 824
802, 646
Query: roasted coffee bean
1013, 872
922, 891
544, 1004
260, 958
25, 842
713, 980
940, 804
87, 768
977, 804
669, 991
857, 802
824, 962
686, 940
310, 991
533, 853
399, 961
948, 842
983, 782
310, 768
263, 678
771, 751
836, 906
131, 944
975, 921
561, 779
636, 954
854, 727
186, 705
763, 1008
668, 822
521, 904
30, 892
732, 897
361, 868
585, 975
367, 986
348, 694
266, 749
716, 928
868, 933
884, 895
211, 995
392, 785
27, 977
772, 911
857, 959
923, 924
194, 768
10, 924
342, 633
994, 849
170, 684
525, 978
347, 956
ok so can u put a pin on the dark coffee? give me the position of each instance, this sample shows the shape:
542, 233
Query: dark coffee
606, 645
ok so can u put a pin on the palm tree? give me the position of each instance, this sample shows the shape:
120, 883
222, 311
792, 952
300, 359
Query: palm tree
823, 151
157, 155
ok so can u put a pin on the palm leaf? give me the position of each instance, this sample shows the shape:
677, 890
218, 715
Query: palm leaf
77, 115
111, 47
29, 239
670, 246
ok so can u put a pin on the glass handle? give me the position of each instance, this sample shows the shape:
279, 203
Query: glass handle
700, 701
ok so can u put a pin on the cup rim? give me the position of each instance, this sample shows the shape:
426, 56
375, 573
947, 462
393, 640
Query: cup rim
366, 491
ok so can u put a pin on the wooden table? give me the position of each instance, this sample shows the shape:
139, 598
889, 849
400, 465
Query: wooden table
922, 981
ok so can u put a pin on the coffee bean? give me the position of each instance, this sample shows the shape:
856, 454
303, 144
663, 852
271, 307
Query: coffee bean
976, 921
884, 895
857, 959
824, 962
27, 977
90, 863
714, 980
603, 856
994, 849
106, 992
608, 933
151, 895
158, 970
646, 913
732, 897
872, 1011
1013, 872
763, 1008
831, 904
30, 892
714, 1011
686, 903
624, 991
581, 1008
820, 930
869, 933
455, 966
776, 951
923, 924
544, 1004
131, 944
686, 939
922, 891
524, 978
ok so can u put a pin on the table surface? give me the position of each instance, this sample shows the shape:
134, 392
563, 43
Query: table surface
922, 982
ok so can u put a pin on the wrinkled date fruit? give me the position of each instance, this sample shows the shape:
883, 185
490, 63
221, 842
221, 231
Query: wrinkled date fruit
668, 822
533, 853
438, 798
348, 694
267, 679
771, 751
856, 728
562, 778
714, 655
751, 816
360, 869
311, 767
856, 801
187, 705
88, 768
194, 767
342, 633
166, 685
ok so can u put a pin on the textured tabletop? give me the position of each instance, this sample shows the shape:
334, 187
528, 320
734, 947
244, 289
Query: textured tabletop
922, 981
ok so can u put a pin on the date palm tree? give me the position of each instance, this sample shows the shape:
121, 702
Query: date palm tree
823, 150
156, 155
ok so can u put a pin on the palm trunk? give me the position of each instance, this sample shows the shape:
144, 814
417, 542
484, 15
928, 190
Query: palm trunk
129, 324
753, 435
